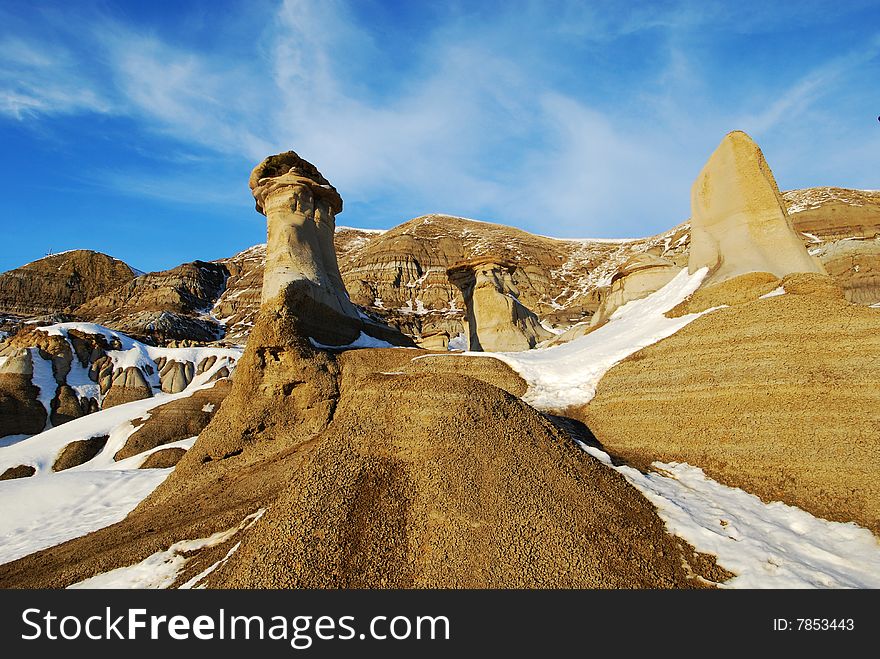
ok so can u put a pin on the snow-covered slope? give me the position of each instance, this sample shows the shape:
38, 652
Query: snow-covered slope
50, 507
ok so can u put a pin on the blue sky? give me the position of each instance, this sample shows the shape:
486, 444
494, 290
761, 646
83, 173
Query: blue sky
131, 127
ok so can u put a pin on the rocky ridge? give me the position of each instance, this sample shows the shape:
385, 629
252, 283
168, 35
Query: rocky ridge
399, 275
60, 282
51, 375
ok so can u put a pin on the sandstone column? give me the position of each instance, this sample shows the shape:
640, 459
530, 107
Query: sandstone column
495, 319
739, 223
301, 207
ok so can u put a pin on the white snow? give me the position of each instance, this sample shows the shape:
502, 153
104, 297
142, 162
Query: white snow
767, 545
193, 583
813, 238
9, 440
161, 569
363, 341
774, 293
42, 512
565, 375
459, 342
418, 310
52, 507
44, 380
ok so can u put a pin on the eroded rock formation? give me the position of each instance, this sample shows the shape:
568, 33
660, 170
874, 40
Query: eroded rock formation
60, 282
85, 368
21, 412
495, 320
301, 207
161, 307
739, 222
640, 276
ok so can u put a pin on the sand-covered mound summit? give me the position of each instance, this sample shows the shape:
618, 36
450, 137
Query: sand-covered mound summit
470, 489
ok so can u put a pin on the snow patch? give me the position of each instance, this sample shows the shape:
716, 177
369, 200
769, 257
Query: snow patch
43, 512
44, 380
458, 343
767, 545
566, 375
161, 569
774, 293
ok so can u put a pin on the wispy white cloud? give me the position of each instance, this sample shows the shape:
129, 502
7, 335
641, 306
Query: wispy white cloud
40, 79
476, 123
792, 102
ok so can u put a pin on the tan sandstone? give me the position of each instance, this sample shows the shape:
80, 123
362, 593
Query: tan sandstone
739, 222
495, 319
779, 396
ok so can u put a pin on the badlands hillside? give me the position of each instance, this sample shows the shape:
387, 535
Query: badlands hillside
694, 409
400, 276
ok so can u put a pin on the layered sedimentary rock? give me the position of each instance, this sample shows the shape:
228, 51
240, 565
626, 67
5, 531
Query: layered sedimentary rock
20, 409
495, 319
399, 275
640, 276
779, 396
166, 306
842, 230
60, 282
739, 222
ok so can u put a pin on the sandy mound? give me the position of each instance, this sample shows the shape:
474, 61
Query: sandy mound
179, 419
780, 396
166, 457
492, 371
80, 452
469, 489
810, 283
730, 293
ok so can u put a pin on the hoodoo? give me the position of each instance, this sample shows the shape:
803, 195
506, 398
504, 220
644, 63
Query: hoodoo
496, 320
301, 206
739, 222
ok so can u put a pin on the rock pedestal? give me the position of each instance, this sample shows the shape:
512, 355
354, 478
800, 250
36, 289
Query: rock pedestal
302, 272
495, 319
739, 222
300, 206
